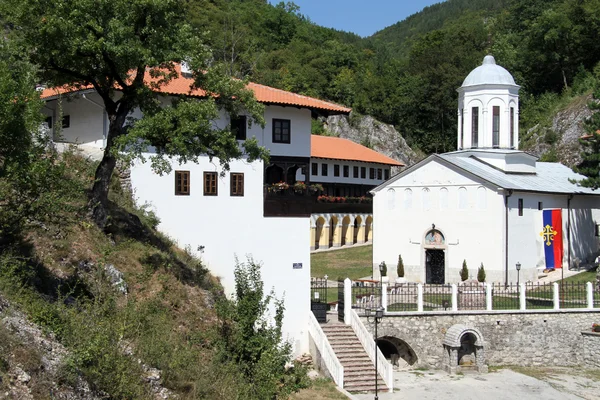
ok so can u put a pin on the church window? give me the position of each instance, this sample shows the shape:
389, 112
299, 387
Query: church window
210, 183
475, 127
355, 171
443, 198
336, 169
462, 127
391, 195
520, 207
407, 199
182, 183
346, 171
481, 198
462, 198
363, 172
540, 205
512, 127
496, 126
237, 184
315, 169
426, 199
386, 174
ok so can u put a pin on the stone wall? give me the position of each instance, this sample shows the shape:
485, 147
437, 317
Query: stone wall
529, 338
591, 349
318, 358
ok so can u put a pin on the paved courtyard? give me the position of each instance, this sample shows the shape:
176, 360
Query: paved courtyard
560, 384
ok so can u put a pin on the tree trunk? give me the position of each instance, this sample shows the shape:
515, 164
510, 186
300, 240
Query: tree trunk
99, 194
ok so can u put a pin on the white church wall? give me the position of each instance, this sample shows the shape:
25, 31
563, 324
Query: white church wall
402, 225
230, 227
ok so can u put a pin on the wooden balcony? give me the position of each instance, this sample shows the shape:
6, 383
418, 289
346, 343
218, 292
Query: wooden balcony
303, 203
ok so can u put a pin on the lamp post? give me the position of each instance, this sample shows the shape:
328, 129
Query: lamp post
377, 317
518, 266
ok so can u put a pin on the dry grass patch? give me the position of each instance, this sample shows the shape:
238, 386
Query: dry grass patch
321, 389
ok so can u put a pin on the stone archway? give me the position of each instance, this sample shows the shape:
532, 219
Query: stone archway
463, 347
397, 351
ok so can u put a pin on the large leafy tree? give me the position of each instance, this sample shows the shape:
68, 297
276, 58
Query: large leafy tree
590, 164
110, 45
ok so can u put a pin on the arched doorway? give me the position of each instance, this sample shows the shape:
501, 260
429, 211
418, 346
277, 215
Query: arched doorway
463, 348
345, 226
319, 231
291, 174
368, 225
434, 245
397, 351
332, 230
357, 224
274, 174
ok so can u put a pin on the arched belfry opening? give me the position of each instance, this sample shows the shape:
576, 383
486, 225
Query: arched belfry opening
464, 349
397, 351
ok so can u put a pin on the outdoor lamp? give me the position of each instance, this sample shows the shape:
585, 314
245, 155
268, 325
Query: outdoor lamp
518, 266
381, 265
379, 313
367, 312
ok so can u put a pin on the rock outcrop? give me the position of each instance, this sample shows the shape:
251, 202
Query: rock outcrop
381, 137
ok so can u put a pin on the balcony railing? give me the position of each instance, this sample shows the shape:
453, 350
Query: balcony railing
281, 201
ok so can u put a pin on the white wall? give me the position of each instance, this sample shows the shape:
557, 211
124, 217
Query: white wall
331, 178
473, 233
230, 227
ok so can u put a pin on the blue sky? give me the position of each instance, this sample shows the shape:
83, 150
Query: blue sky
363, 17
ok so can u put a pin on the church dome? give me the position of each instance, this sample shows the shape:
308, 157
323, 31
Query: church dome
488, 73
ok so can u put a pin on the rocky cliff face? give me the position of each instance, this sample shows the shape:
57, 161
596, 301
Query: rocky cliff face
560, 140
381, 137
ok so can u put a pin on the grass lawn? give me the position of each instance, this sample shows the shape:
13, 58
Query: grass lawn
353, 263
321, 389
587, 276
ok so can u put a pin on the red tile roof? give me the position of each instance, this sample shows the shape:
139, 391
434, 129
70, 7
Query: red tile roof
264, 94
344, 149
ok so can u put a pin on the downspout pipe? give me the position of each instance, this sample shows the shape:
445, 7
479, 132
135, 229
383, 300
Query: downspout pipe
509, 193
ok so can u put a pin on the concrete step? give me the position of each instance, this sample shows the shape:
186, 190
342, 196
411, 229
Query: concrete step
353, 357
349, 347
365, 387
360, 372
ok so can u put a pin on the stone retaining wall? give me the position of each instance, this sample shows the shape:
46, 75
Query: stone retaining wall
528, 338
591, 349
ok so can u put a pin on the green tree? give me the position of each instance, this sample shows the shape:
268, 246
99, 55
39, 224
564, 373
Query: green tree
481, 274
590, 164
110, 45
252, 342
400, 267
464, 271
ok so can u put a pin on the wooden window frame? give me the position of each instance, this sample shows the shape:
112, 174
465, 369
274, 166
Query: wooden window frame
324, 169
66, 121
371, 173
386, 174
355, 172
239, 126
363, 172
212, 176
282, 138
379, 174
315, 169
346, 171
181, 187
336, 169
236, 186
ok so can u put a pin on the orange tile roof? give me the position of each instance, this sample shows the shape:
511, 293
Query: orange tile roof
344, 149
264, 94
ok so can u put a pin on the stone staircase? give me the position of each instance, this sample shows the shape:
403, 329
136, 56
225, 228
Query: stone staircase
359, 371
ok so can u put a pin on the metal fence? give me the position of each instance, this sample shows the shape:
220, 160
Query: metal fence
471, 296
505, 297
437, 297
366, 294
403, 297
596, 295
539, 296
318, 290
573, 295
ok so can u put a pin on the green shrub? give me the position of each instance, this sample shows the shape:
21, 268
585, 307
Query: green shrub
481, 274
383, 269
464, 271
400, 267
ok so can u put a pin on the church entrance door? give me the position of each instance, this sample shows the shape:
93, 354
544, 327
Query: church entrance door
434, 266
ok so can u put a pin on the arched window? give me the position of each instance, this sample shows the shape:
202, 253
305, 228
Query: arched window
407, 199
391, 198
463, 201
481, 198
426, 199
443, 198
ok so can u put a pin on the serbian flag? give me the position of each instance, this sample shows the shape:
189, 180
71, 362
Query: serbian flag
552, 237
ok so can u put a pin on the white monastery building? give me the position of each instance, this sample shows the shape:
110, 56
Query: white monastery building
254, 210
486, 203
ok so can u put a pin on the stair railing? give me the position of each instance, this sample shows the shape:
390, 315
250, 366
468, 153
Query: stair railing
334, 367
384, 368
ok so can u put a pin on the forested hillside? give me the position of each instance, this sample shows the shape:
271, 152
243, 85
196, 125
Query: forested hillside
407, 74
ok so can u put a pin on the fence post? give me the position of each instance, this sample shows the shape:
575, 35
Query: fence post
384, 287
488, 297
590, 294
555, 296
420, 297
454, 297
522, 297
347, 300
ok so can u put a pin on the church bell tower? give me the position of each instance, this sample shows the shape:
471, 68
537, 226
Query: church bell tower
488, 109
